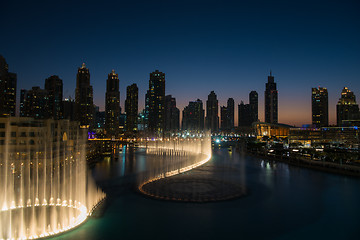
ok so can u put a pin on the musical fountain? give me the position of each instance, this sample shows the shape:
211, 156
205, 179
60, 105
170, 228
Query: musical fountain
44, 182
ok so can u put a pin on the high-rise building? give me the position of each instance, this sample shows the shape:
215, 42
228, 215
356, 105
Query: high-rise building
112, 105
156, 98
69, 109
23, 93
320, 107
131, 108
271, 101
346, 108
248, 113
254, 103
224, 118
54, 87
212, 112
244, 115
84, 97
7, 90
193, 116
227, 115
172, 114
36, 103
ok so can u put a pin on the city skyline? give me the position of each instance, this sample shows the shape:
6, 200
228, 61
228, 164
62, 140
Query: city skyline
226, 47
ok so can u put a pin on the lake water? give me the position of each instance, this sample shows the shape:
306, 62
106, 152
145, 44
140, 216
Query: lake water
283, 202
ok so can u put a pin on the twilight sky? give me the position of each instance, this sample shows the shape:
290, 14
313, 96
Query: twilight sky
225, 46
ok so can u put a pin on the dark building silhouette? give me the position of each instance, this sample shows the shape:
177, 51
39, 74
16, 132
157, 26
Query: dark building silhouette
84, 97
54, 87
254, 106
227, 115
23, 93
320, 107
346, 108
7, 90
172, 114
212, 112
244, 115
193, 116
112, 105
131, 108
69, 109
271, 101
248, 113
36, 103
156, 98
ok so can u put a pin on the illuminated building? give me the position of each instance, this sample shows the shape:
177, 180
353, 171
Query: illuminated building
84, 97
346, 108
319, 103
227, 115
172, 114
271, 130
212, 112
156, 98
36, 103
112, 105
7, 90
22, 102
193, 116
271, 101
131, 108
54, 87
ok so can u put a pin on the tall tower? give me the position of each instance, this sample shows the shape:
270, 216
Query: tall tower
112, 105
131, 107
346, 108
36, 103
156, 98
320, 107
7, 90
54, 87
271, 101
84, 97
172, 114
254, 103
212, 112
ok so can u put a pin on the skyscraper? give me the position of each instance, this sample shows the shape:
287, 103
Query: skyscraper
212, 112
23, 93
54, 87
244, 113
254, 103
112, 105
271, 101
131, 108
346, 108
319, 103
36, 103
7, 90
227, 115
193, 116
84, 97
172, 114
156, 98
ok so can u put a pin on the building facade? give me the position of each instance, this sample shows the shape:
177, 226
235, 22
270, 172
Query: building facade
112, 105
212, 112
193, 116
84, 97
271, 101
131, 108
320, 107
172, 114
7, 90
35, 103
156, 99
346, 108
54, 87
